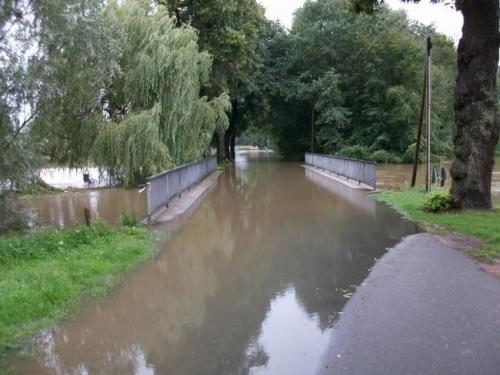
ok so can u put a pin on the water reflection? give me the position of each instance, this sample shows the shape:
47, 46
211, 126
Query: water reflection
63, 209
252, 283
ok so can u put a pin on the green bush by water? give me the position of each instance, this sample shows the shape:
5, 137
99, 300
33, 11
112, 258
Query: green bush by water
44, 275
438, 201
129, 220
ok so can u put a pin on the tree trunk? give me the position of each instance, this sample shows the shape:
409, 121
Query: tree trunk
230, 136
227, 143
221, 152
476, 118
312, 129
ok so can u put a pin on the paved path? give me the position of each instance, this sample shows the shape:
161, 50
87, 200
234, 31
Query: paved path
425, 309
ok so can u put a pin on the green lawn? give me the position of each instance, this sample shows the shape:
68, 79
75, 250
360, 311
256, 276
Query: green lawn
45, 275
484, 225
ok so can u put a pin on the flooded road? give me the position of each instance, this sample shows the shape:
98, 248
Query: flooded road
63, 209
252, 283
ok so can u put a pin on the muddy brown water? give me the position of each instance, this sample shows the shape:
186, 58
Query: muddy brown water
398, 176
63, 209
252, 283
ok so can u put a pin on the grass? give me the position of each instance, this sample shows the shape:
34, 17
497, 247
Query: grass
39, 187
45, 275
483, 225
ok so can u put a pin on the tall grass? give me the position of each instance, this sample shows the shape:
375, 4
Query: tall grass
45, 275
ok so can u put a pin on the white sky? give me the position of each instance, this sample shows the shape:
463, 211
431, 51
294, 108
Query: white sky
446, 19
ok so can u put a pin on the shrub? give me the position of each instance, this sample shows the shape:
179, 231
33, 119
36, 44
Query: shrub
129, 220
12, 214
383, 156
355, 152
438, 200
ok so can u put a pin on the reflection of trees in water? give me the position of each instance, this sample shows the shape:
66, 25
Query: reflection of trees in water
199, 307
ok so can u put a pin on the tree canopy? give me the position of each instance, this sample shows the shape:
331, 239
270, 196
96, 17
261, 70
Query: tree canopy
353, 83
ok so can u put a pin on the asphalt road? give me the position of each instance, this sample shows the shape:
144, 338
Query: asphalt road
424, 309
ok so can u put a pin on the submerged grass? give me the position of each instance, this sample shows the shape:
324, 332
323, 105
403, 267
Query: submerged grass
45, 275
483, 225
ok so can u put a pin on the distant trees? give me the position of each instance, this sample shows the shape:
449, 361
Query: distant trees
114, 83
230, 30
477, 125
349, 84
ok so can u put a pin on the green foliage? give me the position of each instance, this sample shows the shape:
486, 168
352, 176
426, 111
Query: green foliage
12, 217
357, 78
355, 152
229, 30
127, 97
45, 275
129, 220
438, 201
383, 156
479, 224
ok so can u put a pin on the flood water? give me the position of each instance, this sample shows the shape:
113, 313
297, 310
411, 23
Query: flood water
63, 209
252, 283
398, 176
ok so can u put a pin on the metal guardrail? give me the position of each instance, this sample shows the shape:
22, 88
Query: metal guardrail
359, 170
163, 187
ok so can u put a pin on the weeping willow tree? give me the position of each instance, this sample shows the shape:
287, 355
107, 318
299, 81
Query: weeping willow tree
157, 117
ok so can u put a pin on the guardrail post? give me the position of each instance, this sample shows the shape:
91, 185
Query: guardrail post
148, 195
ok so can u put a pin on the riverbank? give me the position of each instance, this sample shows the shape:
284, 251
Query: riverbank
45, 275
480, 225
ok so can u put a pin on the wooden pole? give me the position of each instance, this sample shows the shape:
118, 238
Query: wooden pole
419, 130
429, 111
86, 213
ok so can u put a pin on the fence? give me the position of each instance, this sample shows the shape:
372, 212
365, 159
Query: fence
359, 170
167, 185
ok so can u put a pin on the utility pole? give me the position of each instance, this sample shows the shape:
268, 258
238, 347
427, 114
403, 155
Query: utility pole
429, 111
420, 126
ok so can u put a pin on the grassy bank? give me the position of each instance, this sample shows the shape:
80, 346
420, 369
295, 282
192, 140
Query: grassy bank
45, 275
483, 225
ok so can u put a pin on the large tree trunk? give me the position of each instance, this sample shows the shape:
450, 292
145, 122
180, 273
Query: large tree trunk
476, 118
221, 151
230, 136
312, 129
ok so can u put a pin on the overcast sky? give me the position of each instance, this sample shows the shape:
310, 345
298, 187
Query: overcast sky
446, 20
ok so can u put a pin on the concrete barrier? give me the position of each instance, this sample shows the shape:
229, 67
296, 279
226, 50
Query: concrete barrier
163, 187
364, 172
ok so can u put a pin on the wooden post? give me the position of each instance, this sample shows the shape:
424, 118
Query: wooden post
86, 213
419, 131
429, 111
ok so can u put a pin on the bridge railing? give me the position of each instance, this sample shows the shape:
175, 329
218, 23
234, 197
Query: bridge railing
163, 187
359, 170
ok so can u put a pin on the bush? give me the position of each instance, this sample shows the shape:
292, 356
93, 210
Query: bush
12, 215
438, 200
355, 152
383, 156
129, 220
